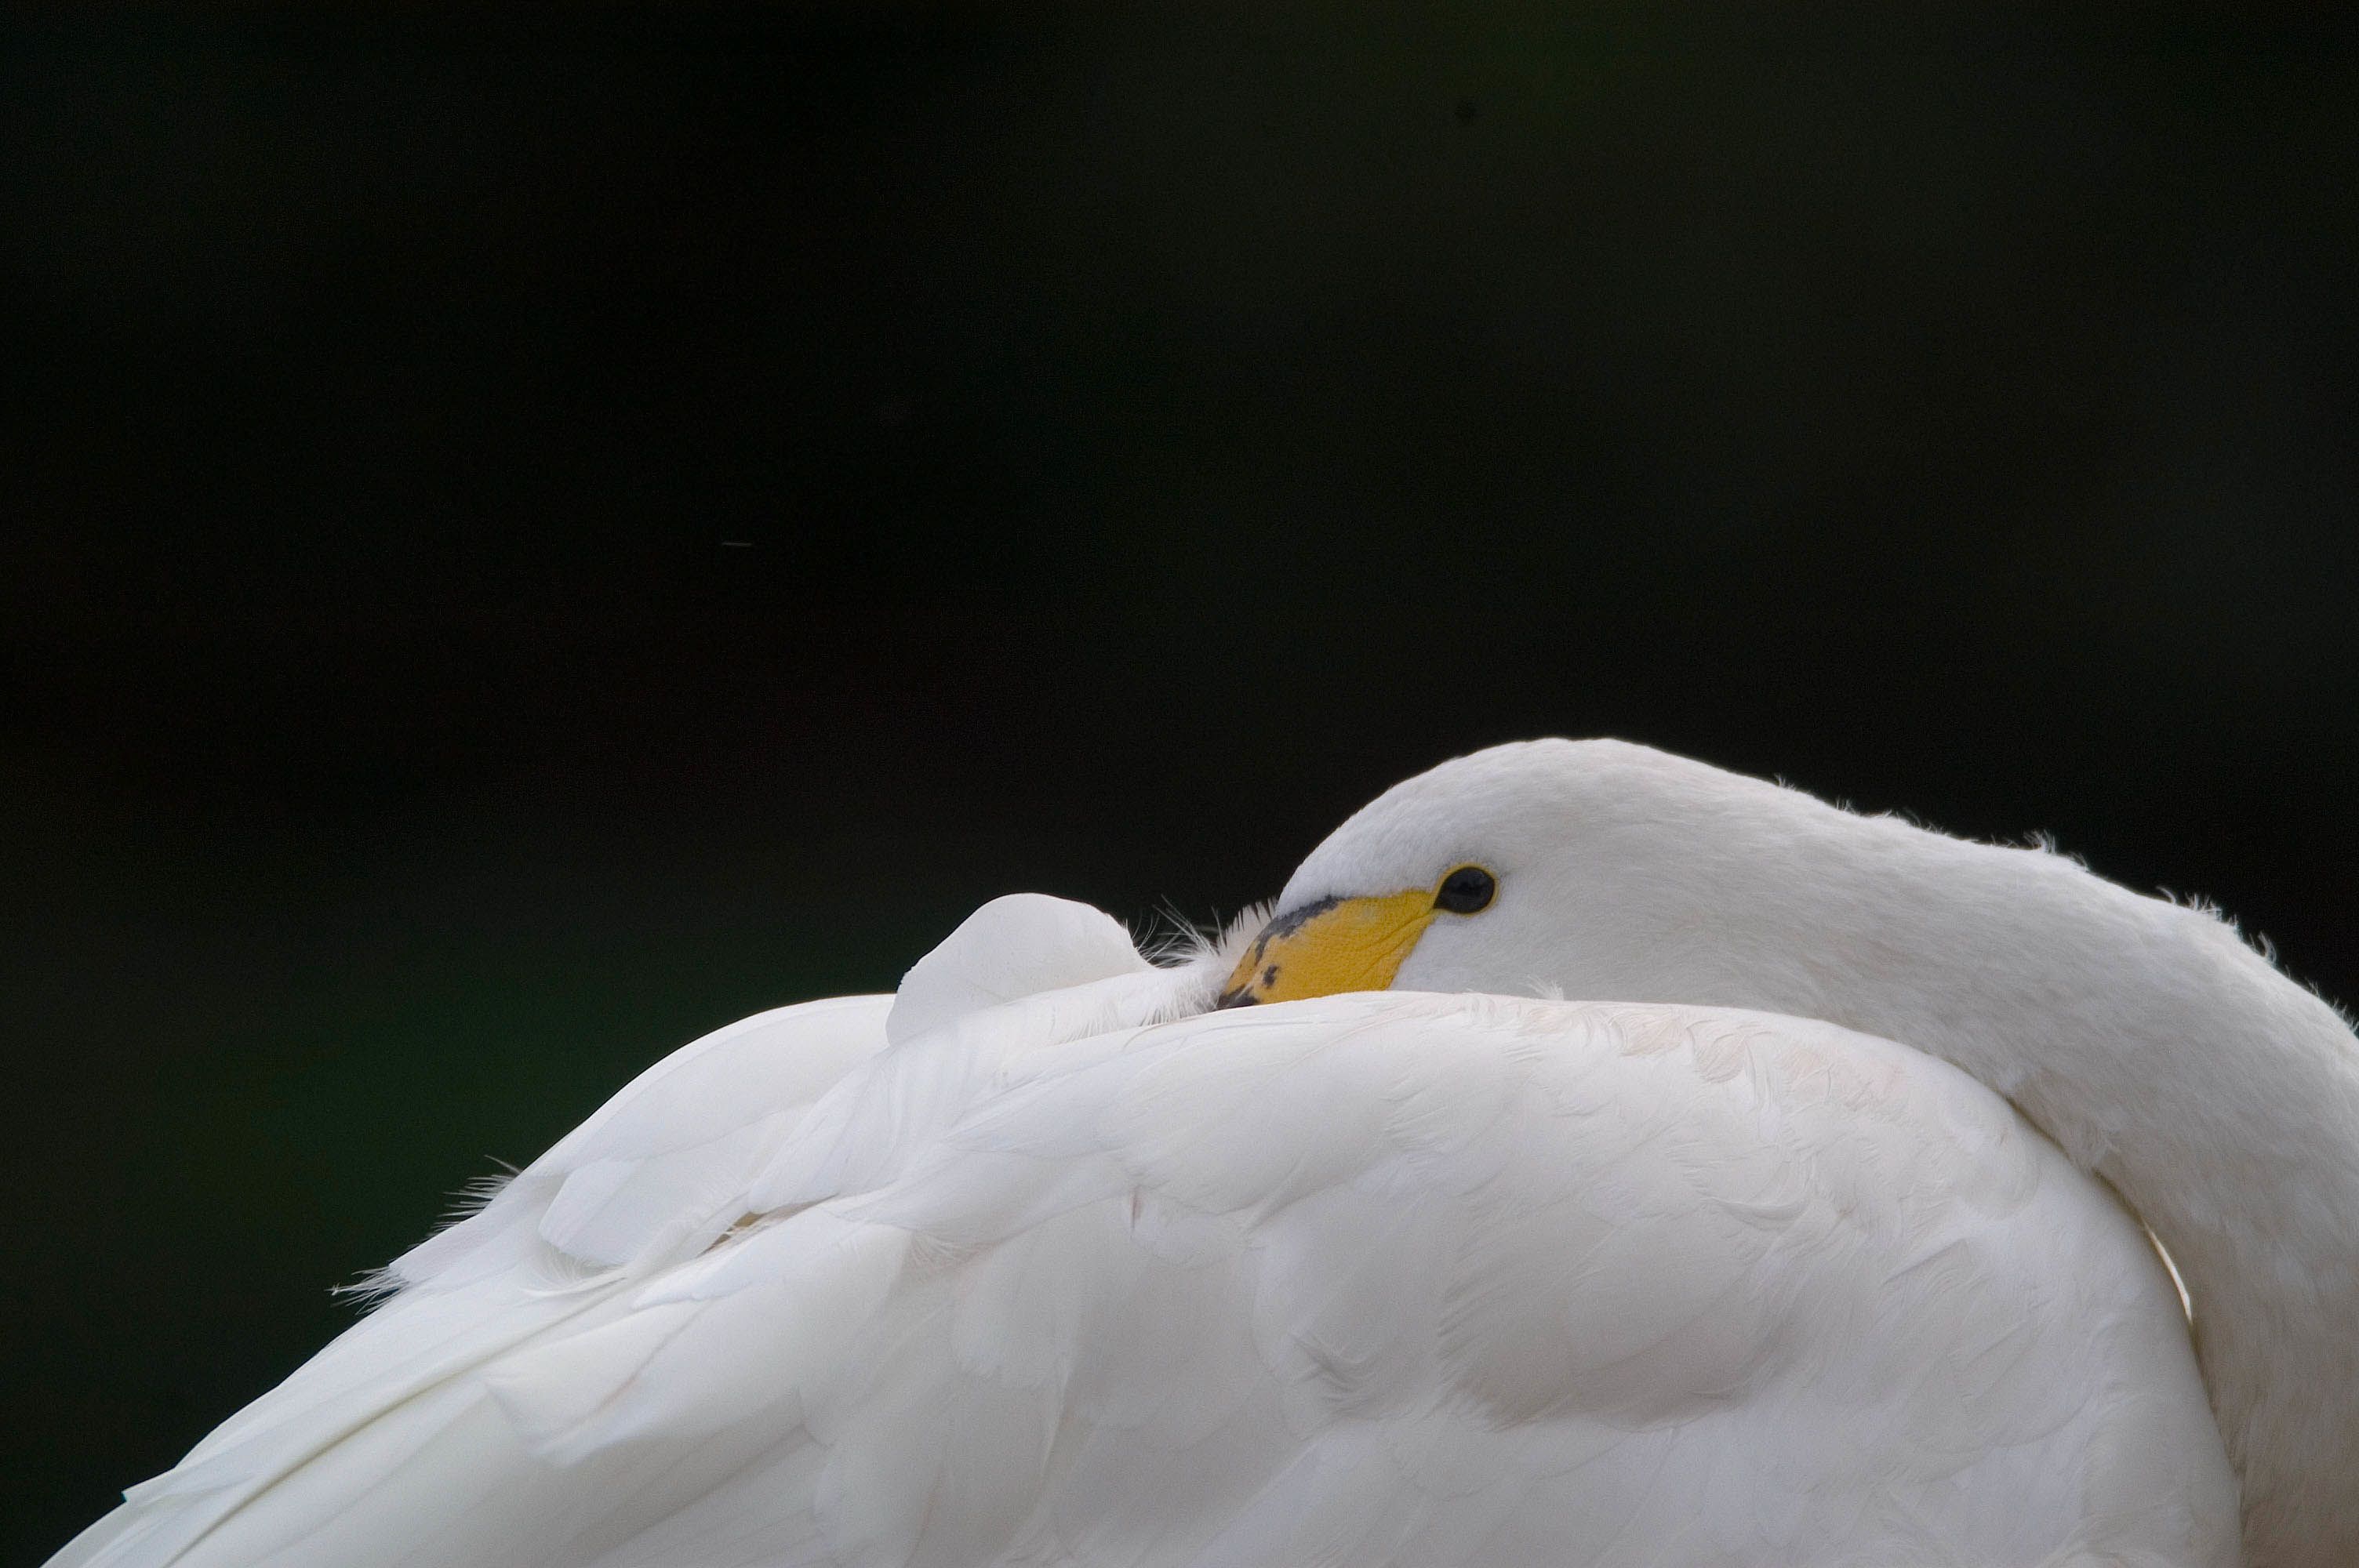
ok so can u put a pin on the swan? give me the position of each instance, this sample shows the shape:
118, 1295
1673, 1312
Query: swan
1821, 1226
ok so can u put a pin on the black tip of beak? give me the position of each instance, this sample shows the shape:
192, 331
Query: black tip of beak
1237, 998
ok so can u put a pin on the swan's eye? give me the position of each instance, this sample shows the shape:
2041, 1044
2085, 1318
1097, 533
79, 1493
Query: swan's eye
1469, 890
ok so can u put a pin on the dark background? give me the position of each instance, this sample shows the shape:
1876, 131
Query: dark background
1147, 434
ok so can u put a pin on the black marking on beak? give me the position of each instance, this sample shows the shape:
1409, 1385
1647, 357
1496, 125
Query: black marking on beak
1294, 920
1286, 925
1243, 995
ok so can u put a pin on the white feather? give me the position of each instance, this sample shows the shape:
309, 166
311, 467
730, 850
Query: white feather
1073, 1273
1548, 1281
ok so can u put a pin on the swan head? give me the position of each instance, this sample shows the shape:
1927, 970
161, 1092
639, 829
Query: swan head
1549, 867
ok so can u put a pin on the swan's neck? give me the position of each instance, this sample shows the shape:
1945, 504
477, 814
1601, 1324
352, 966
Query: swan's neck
2217, 1097
2222, 1101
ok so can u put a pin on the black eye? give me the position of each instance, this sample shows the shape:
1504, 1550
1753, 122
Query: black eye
1469, 890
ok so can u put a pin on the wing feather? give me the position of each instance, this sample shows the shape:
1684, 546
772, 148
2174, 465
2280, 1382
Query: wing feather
1388, 1279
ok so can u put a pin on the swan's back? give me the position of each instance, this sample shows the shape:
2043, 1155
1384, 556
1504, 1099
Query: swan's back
1374, 1278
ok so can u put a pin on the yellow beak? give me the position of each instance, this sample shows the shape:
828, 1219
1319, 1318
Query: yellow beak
1335, 945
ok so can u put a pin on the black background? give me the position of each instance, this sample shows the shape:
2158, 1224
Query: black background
1145, 434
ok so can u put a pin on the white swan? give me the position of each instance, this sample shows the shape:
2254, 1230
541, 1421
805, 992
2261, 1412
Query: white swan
1043, 1263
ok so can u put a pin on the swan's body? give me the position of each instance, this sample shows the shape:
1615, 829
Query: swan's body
1040, 1264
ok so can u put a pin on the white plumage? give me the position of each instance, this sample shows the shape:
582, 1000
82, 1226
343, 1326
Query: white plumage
1042, 1263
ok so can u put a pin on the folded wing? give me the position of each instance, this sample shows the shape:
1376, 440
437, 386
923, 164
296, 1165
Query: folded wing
1371, 1280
